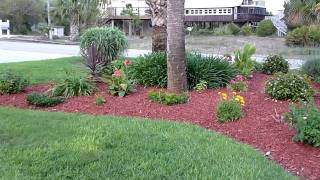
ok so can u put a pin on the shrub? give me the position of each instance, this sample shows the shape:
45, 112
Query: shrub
305, 119
291, 86
275, 64
222, 31
312, 68
304, 36
73, 86
246, 30
119, 83
229, 109
234, 29
243, 60
150, 70
238, 84
265, 28
201, 86
43, 100
214, 70
257, 67
109, 43
100, 100
12, 82
196, 31
167, 98
314, 35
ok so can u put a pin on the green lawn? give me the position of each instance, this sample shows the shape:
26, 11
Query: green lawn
48, 70
42, 145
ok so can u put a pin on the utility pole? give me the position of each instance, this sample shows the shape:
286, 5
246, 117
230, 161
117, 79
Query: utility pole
49, 20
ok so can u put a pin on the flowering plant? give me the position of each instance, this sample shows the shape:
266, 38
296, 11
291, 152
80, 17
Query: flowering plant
238, 84
229, 108
119, 84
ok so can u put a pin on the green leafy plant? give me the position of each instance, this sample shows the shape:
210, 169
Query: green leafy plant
266, 28
275, 64
305, 119
304, 36
119, 84
238, 84
109, 44
312, 68
234, 29
11, 82
229, 109
291, 86
257, 67
73, 86
246, 30
201, 86
43, 100
100, 100
243, 60
167, 98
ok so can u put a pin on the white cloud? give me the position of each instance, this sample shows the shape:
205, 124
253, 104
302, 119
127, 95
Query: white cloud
274, 5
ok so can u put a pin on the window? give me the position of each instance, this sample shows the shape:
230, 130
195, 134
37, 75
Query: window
192, 11
229, 11
187, 11
206, 11
200, 11
210, 11
195, 11
220, 11
224, 11
214, 11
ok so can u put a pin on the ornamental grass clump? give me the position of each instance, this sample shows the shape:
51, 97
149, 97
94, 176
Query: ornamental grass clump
229, 108
11, 82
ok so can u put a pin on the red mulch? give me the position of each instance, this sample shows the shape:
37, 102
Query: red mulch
261, 127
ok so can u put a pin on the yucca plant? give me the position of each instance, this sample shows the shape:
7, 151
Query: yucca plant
243, 60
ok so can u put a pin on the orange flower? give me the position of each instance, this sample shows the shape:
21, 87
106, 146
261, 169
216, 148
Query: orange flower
126, 62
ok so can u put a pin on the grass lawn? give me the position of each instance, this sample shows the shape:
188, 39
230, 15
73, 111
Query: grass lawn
43, 145
48, 70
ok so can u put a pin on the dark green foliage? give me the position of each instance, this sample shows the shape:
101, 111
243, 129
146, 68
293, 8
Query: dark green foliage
150, 70
312, 68
73, 86
257, 67
100, 100
265, 28
167, 98
305, 119
234, 29
246, 30
43, 100
238, 86
228, 111
291, 86
275, 64
11, 82
109, 44
304, 36
214, 70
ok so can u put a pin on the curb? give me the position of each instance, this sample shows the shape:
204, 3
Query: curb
39, 41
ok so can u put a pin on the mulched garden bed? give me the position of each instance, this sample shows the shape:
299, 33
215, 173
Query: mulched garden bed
261, 127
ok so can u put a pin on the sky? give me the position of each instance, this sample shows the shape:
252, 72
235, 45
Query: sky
274, 5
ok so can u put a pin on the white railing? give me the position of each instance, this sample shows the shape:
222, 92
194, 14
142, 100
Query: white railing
4, 26
279, 23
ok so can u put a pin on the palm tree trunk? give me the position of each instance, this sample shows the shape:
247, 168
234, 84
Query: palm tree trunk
74, 27
158, 10
176, 61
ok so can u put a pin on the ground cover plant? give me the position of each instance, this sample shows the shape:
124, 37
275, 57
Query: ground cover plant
291, 86
274, 64
75, 146
43, 100
305, 119
167, 98
12, 82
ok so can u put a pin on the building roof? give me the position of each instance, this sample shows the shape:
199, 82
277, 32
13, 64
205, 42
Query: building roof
212, 3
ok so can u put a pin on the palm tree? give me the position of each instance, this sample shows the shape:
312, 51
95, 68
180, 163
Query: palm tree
76, 11
176, 61
158, 11
299, 12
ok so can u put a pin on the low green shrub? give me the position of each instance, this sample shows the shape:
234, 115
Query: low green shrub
312, 68
265, 28
43, 100
305, 119
246, 30
100, 100
167, 98
257, 67
222, 31
229, 108
291, 86
151, 70
11, 82
304, 36
234, 29
201, 86
73, 86
274, 64
197, 31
